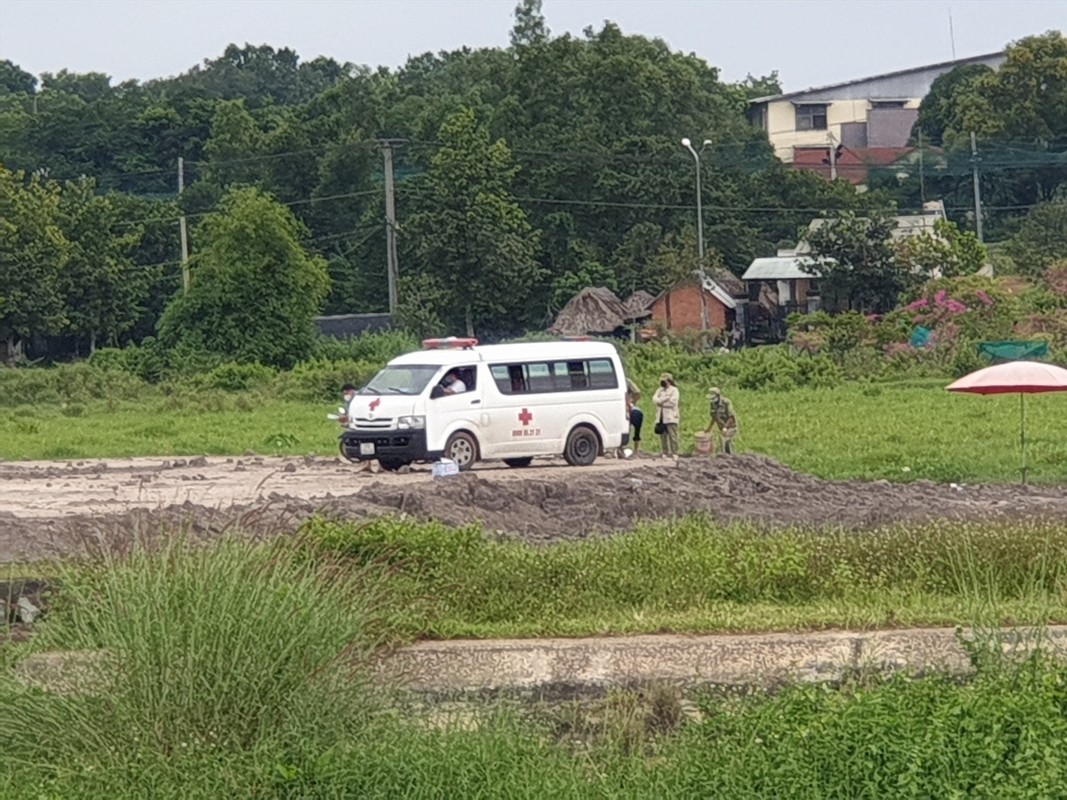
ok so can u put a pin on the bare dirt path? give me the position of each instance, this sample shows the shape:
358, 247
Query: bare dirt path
41, 489
54, 509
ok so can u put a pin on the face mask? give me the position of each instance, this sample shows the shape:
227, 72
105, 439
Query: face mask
663, 384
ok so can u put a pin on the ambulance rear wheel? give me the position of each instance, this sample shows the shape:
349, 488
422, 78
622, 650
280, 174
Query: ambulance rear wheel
583, 446
518, 463
463, 449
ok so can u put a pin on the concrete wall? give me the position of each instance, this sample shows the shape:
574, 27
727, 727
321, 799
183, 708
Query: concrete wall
782, 124
890, 127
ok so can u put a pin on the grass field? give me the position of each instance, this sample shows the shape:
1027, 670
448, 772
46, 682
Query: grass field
226, 687
898, 432
229, 683
694, 576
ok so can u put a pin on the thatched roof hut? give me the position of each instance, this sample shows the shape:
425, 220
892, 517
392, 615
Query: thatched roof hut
595, 310
639, 305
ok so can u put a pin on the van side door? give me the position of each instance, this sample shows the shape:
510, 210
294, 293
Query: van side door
447, 411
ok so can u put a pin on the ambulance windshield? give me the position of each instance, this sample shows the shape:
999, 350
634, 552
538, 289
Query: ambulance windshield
407, 379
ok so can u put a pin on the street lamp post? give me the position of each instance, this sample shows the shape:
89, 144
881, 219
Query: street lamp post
688, 145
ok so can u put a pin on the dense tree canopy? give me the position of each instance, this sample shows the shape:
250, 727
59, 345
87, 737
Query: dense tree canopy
254, 289
524, 172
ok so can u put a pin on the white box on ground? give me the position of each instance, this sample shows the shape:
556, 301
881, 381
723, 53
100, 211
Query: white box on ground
445, 467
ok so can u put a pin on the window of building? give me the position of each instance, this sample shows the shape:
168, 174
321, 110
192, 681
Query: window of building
811, 117
888, 103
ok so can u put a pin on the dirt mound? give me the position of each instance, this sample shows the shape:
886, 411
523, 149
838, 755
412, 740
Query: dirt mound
545, 505
745, 487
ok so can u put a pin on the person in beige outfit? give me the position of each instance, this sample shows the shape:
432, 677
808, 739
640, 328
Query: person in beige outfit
667, 415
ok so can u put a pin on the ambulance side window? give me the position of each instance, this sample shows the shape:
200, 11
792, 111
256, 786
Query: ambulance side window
576, 369
540, 377
509, 379
602, 374
501, 378
555, 376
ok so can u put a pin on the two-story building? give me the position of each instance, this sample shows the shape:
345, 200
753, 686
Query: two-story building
860, 122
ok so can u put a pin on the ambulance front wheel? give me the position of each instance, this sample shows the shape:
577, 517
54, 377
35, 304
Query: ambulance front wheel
463, 449
583, 446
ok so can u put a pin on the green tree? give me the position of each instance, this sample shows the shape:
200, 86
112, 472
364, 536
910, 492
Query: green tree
15, 80
856, 262
236, 140
471, 233
530, 28
677, 258
947, 252
937, 111
420, 299
254, 290
1041, 239
763, 86
590, 273
33, 251
89, 86
1026, 99
100, 285
155, 258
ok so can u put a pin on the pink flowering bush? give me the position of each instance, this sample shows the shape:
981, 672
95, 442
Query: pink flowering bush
958, 313
973, 308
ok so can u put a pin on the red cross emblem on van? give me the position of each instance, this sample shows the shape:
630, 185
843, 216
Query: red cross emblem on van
525, 417
377, 401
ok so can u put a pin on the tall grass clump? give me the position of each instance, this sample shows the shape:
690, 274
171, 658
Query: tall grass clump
203, 650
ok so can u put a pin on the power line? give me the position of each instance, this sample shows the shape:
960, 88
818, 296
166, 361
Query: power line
216, 207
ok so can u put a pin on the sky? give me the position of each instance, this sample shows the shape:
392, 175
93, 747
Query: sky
809, 42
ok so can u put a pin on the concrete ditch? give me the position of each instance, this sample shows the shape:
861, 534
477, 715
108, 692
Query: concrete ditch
547, 668
570, 667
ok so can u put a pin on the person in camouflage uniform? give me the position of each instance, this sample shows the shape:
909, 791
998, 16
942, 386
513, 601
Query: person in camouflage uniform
723, 417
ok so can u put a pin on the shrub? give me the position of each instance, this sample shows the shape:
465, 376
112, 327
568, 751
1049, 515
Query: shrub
209, 649
321, 380
80, 382
376, 348
231, 377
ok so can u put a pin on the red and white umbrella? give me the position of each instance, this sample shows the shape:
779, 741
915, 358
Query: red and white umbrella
1015, 377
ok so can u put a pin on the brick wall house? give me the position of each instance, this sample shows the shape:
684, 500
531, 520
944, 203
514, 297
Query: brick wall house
683, 307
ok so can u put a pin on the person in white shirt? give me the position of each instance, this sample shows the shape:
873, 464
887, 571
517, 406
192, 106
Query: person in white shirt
452, 384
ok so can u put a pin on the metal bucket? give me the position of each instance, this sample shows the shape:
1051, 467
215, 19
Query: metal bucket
703, 443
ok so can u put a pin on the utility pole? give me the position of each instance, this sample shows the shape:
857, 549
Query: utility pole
922, 174
977, 190
392, 267
183, 229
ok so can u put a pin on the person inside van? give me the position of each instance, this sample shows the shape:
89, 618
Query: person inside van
452, 384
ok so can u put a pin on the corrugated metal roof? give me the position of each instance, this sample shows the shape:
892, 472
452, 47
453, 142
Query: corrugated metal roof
907, 226
908, 71
776, 268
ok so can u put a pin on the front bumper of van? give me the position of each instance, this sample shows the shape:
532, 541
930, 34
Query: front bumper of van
400, 445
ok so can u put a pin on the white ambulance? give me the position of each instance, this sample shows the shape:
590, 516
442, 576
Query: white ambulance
509, 402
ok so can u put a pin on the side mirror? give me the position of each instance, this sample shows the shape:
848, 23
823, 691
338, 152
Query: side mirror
437, 391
